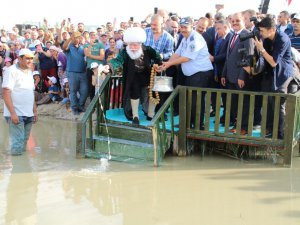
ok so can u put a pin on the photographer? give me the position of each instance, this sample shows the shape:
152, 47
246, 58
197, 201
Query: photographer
278, 72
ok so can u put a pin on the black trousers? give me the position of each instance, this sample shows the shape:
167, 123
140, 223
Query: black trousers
200, 79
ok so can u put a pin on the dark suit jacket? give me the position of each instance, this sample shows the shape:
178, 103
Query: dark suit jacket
209, 37
220, 55
231, 70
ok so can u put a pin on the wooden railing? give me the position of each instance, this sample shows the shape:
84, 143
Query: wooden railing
105, 98
291, 129
160, 135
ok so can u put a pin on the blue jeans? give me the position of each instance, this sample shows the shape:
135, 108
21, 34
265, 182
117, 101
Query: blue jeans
78, 82
19, 134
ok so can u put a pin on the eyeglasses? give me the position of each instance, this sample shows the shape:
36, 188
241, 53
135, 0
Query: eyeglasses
295, 21
235, 21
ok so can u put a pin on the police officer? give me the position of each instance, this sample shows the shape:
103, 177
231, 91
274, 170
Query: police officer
193, 56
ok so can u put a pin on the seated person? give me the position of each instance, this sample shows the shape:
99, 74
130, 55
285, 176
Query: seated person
40, 88
53, 89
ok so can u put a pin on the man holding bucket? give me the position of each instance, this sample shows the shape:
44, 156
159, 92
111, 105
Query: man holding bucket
193, 56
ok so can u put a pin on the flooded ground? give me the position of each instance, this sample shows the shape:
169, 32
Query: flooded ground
49, 186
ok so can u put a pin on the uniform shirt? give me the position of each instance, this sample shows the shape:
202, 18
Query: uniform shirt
164, 45
195, 48
21, 84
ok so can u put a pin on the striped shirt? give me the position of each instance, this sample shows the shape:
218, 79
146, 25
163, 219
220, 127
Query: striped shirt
295, 41
164, 45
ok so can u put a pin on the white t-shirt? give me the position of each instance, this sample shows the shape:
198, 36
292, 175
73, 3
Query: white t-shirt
21, 84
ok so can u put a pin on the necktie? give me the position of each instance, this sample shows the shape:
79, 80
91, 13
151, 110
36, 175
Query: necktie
233, 40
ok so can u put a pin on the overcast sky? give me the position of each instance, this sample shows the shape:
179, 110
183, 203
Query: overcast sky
96, 12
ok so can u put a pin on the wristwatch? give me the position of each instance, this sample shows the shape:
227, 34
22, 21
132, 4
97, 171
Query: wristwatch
262, 51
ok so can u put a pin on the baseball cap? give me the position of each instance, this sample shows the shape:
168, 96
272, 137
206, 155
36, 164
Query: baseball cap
94, 65
7, 59
36, 73
93, 30
33, 27
37, 42
186, 21
52, 79
296, 16
26, 52
3, 39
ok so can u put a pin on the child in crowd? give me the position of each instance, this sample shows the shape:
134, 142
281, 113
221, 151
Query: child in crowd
53, 89
39, 87
7, 64
66, 93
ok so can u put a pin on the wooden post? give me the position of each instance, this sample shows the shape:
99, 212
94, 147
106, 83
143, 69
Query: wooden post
289, 130
79, 150
154, 136
182, 122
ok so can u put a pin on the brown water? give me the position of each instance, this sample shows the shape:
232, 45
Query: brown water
49, 186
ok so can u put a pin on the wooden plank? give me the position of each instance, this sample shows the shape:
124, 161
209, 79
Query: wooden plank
189, 107
227, 113
198, 107
218, 109
288, 130
264, 110
276, 117
239, 113
207, 109
182, 122
154, 136
251, 114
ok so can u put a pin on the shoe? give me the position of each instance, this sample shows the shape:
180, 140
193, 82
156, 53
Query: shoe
81, 110
212, 114
135, 121
243, 132
233, 130
149, 118
16, 153
75, 112
268, 134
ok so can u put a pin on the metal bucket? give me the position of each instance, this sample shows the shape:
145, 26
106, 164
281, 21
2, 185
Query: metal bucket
163, 84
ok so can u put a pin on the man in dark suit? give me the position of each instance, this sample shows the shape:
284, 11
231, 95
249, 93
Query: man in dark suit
234, 76
219, 57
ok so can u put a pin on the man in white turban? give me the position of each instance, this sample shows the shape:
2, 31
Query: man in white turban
136, 61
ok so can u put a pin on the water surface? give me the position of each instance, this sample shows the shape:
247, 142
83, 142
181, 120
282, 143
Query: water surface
48, 185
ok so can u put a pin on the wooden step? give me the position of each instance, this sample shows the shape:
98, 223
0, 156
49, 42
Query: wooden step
131, 133
121, 148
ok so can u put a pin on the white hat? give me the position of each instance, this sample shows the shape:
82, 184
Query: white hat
53, 79
37, 42
65, 80
36, 73
26, 52
54, 48
3, 39
12, 32
135, 34
94, 65
93, 30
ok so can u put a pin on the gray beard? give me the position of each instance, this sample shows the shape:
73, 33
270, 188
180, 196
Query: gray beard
134, 55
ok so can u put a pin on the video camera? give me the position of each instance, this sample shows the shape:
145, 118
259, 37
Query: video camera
247, 60
252, 34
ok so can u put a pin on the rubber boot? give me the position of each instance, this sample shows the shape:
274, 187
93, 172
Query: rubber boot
151, 109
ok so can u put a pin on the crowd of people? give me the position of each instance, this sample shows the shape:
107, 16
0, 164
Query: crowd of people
201, 53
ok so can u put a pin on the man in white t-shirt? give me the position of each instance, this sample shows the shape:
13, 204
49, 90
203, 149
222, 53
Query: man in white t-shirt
19, 106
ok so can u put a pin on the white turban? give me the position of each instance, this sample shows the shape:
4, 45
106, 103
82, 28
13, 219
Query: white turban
134, 34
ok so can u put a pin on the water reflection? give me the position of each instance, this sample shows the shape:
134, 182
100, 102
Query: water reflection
48, 185
21, 207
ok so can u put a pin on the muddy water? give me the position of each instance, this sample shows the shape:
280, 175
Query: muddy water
48, 186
